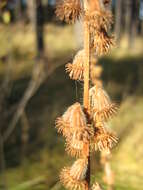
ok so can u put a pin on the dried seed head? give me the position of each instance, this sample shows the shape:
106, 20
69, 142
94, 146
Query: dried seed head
72, 120
78, 144
104, 140
99, 24
102, 42
96, 186
70, 183
79, 169
101, 105
69, 10
76, 69
99, 20
77, 148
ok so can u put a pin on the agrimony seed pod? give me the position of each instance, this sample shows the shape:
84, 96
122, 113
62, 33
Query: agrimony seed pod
76, 69
71, 183
102, 107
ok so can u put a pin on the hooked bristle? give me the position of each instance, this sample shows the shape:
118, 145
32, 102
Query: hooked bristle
104, 140
79, 169
101, 105
102, 42
62, 126
71, 183
77, 148
76, 69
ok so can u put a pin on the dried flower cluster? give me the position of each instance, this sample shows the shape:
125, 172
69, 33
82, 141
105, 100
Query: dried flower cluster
84, 126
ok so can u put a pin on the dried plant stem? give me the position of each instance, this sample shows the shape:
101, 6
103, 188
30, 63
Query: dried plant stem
86, 68
86, 84
83, 126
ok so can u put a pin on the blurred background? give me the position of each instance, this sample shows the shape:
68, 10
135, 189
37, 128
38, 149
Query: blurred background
34, 90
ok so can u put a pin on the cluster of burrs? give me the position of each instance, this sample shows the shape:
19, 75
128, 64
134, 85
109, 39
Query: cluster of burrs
85, 133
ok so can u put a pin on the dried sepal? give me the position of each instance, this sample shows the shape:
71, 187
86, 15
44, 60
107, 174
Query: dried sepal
104, 140
101, 42
71, 183
69, 10
101, 105
72, 120
79, 169
76, 69
96, 186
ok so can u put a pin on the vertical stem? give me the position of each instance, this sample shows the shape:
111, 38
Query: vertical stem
86, 83
86, 67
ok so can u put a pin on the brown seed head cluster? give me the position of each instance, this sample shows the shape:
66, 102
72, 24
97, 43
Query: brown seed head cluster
84, 126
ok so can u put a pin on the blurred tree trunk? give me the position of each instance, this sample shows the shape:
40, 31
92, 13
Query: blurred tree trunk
39, 28
31, 11
128, 14
18, 10
118, 17
36, 18
133, 22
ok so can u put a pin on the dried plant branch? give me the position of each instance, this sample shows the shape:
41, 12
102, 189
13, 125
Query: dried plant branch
84, 127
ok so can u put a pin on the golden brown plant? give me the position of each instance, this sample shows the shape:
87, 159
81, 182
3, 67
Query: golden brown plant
83, 126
